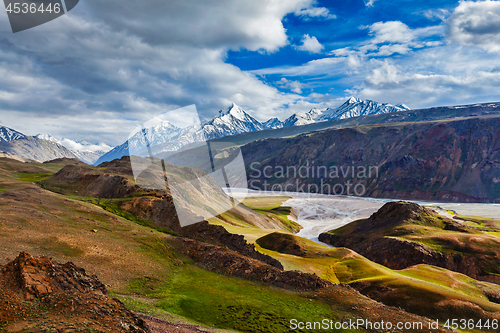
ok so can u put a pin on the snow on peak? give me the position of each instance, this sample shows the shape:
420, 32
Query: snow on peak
234, 111
354, 107
83, 150
8, 134
165, 126
300, 118
273, 123
352, 100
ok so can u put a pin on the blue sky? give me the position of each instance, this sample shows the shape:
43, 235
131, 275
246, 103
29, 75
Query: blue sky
97, 72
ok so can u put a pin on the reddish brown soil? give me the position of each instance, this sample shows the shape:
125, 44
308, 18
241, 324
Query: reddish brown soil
40, 294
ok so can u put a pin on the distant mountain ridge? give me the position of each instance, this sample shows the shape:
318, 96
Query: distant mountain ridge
236, 120
36, 149
354, 107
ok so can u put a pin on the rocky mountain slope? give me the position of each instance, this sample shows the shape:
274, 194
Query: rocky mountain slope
41, 295
36, 149
83, 150
403, 234
16, 157
449, 160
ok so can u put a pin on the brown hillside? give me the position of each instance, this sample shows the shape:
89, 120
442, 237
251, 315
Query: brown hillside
39, 294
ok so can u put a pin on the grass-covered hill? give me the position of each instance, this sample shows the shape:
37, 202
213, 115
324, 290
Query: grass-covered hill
426, 290
179, 277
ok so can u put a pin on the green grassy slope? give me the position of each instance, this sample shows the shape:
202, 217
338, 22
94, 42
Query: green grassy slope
140, 265
427, 290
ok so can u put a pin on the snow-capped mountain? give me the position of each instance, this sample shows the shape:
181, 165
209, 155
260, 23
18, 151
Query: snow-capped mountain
36, 149
166, 137
300, 118
354, 107
230, 122
83, 150
8, 134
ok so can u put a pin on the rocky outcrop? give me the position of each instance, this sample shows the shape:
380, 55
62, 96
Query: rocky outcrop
60, 297
228, 262
381, 238
217, 235
90, 182
41, 276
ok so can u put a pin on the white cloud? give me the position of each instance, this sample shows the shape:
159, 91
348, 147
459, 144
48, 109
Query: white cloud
310, 44
439, 14
315, 12
392, 32
295, 86
393, 37
446, 76
476, 24
369, 3
110, 60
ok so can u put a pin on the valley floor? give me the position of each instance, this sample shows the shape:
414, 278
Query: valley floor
318, 213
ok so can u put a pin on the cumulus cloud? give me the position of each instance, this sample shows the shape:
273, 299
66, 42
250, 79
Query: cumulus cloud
476, 24
310, 44
130, 61
457, 77
391, 32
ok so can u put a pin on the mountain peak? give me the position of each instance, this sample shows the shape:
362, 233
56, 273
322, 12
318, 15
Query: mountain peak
8, 134
164, 125
352, 100
403, 106
235, 111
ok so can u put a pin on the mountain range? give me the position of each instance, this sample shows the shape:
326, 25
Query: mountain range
44, 147
83, 150
36, 149
166, 137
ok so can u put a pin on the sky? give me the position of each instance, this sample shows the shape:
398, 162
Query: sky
97, 72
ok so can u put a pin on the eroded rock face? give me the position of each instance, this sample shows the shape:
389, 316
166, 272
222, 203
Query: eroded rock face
63, 293
224, 261
40, 276
454, 161
217, 235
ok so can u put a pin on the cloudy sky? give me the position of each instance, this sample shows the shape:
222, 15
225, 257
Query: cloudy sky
106, 66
